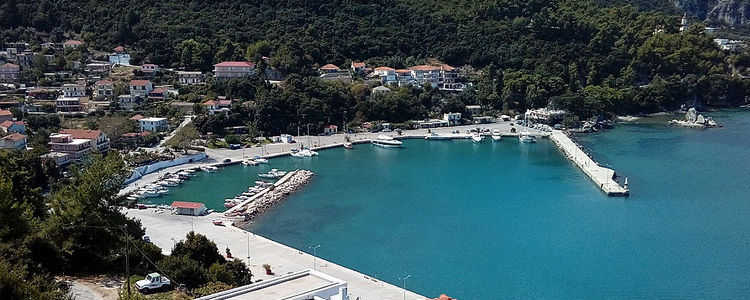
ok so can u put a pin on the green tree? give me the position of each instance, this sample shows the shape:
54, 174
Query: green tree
184, 137
199, 248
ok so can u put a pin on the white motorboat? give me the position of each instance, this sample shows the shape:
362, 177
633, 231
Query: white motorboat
149, 193
308, 153
387, 141
477, 138
348, 145
437, 137
170, 183
185, 173
209, 169
260, 160
496, 136
526, 137
249, 162
297, 154
273, 174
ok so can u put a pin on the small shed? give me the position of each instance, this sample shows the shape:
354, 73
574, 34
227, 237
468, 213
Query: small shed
330, 129
189, 208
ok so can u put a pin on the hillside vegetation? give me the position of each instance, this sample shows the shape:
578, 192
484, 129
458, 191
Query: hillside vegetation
588, 57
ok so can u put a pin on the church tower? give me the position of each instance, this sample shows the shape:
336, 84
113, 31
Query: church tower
683, 23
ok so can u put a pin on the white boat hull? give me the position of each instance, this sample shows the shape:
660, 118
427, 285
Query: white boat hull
496, 138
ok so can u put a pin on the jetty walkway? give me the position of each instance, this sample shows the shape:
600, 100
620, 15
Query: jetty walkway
603, 177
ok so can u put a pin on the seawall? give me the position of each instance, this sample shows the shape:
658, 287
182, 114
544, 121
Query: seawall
602, 177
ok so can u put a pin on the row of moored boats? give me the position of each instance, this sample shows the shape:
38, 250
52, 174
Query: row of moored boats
259, 186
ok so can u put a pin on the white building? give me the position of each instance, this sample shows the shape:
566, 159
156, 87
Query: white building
452, 118
729, 45
302, 285
380, 89
286, 138
140, 88
233, 69
544, 115
74, 90
190, 77
153, 124
119, 56
191, 209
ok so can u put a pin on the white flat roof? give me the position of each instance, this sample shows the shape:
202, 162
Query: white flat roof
152, 119
290, 286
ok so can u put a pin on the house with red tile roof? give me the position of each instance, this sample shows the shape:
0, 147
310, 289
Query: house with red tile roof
158, 94
104, 89
136, 117
5, 115
13, 126
14, 141
70, 145
119, 56
72, 44
140, 88
358, 67
233, 69
329, 68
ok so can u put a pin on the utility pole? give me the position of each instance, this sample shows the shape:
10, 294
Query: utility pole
127, 258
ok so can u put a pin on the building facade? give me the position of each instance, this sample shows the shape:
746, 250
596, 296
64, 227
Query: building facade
104, 89
190, 77
153, 124
15, 141
68, 104
9, 72
233, 69
140, 88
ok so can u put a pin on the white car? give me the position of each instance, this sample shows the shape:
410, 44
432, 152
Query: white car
152, 282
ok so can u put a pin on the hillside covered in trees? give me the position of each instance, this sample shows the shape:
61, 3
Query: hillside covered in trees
589, 57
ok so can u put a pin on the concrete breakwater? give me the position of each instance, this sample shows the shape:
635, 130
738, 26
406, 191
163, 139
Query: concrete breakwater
603, 177
271, 196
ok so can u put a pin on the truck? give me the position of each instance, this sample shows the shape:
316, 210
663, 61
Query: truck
153, 282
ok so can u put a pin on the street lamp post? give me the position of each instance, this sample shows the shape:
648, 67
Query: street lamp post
404, 279
315, 256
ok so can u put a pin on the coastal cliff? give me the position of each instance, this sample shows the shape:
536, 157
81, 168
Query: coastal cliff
726, 12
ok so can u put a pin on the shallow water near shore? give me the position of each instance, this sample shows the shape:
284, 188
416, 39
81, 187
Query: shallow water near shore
512, 220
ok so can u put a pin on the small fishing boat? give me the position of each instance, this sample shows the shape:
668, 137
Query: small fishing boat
249, 162
297, 154
348, 145
260, 160
477, 138
526, 137
209, 169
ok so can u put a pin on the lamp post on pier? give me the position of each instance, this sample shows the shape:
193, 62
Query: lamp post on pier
315, 256
404, 280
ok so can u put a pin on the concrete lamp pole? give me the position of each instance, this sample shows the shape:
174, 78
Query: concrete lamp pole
404, 279
315, 256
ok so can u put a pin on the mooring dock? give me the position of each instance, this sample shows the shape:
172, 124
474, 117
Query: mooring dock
603, 177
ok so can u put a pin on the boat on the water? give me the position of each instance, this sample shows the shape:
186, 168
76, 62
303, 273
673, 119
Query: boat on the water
209, 169
477, 137
387, 141
496, 136
526, 137
348, 145
297, 154
260, 160
249, 162
438, 137
273, 174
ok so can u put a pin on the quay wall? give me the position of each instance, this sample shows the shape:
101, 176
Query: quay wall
148, 169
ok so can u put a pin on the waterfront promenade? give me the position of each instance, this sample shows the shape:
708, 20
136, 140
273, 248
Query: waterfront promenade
602, 177
165, 229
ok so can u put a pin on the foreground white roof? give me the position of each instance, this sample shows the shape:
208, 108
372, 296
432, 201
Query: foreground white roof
299, 285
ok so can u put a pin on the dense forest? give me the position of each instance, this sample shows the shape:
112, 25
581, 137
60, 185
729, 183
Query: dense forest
589, 57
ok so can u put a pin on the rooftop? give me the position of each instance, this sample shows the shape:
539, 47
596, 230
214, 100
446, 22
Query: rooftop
292, 286
330, 67
140, 82
103, 82
81, 133
152, 119
5, 112
14, 137
234, 64
185, 204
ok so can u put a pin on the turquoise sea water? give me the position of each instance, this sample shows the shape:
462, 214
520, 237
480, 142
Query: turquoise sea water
510, 220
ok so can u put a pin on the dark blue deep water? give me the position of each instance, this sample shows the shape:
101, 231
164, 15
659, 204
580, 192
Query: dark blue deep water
510, 220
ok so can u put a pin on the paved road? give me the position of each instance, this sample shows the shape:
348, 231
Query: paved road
80, 291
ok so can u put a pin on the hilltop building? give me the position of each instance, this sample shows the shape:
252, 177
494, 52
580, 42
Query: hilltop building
119, 56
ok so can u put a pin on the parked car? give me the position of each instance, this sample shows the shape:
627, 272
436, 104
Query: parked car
226, 160
153, 282
235, 146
